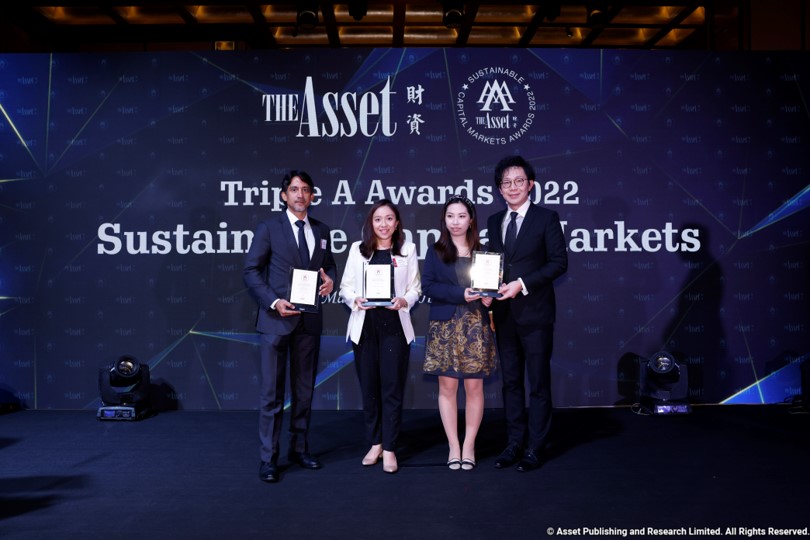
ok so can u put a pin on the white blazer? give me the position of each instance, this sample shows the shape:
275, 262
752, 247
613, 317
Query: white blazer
406, 285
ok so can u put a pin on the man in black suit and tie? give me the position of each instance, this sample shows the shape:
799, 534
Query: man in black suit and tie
292, 239
534, 248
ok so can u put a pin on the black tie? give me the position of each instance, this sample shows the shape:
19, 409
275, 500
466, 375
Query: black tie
303, 249
511, 234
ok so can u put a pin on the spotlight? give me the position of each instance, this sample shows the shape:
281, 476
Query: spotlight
124, 390
597, 14
307, 18
453, 14
663, 385
358, 10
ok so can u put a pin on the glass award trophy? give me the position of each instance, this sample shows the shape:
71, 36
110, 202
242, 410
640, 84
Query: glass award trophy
304, 289
378, 285
486, 273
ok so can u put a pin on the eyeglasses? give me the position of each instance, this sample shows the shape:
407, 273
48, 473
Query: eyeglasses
506, 184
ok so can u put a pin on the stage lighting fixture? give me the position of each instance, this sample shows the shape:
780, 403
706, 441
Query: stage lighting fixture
124, 388
358, 9
597, 13
663, 385
307, 18
453, 14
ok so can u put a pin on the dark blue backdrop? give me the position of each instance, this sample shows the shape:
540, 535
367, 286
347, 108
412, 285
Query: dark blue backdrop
130, 183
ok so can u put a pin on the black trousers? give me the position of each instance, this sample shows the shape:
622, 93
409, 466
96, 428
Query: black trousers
302, 348
525, 352
381, 359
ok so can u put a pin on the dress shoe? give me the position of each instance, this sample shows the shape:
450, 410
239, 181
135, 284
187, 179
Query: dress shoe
530, 462
268, 472
467, 464
508, 457
390, 462
454, 464
307, 461
373, 456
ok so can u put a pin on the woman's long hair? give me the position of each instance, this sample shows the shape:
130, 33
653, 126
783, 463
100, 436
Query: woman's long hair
369, 243
444, 246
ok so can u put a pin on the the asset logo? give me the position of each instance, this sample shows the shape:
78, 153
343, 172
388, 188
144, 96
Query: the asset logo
495, 105
333, 114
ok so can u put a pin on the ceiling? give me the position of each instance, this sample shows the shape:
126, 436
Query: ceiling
63, 26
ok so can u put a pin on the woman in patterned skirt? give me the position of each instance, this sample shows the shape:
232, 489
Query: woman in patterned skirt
459, 341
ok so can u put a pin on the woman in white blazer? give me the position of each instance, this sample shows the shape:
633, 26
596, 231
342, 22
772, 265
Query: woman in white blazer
381, 336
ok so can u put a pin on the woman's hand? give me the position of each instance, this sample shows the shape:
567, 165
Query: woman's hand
470, 296
398, 303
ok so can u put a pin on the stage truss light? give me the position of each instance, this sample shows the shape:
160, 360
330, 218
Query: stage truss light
358, 9
307, 17
453, 14
597, 13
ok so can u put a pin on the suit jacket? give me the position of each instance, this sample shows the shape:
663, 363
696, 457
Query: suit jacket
540, 256
440, 283
266, 271
406, 285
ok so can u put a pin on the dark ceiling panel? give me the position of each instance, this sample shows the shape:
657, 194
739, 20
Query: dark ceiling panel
75, 25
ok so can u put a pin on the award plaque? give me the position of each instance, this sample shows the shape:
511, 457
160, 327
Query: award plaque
378, 285
486, 273
304, 289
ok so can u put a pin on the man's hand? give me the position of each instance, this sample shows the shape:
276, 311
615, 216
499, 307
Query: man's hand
327, 285
286, 309
510, 290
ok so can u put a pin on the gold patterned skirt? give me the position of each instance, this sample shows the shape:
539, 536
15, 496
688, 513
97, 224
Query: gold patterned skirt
462, 347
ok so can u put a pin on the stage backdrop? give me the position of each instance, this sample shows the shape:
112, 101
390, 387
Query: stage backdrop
130, 185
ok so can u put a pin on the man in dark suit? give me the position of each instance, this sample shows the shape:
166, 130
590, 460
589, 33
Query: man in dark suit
292, 239
534, 248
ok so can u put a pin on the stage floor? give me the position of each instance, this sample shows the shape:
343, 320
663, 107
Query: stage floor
183, 474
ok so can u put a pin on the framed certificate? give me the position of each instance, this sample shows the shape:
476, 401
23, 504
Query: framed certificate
304, 289
378, 284
486, 273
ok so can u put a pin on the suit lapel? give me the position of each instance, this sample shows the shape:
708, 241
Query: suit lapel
525, 229
317, 252
496, 234
290, 239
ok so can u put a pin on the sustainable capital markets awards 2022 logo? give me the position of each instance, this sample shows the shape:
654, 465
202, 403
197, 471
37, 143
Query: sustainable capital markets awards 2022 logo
495, 105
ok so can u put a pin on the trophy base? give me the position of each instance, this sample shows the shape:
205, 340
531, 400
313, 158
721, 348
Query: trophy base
306, 308
377, 303
491, 294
